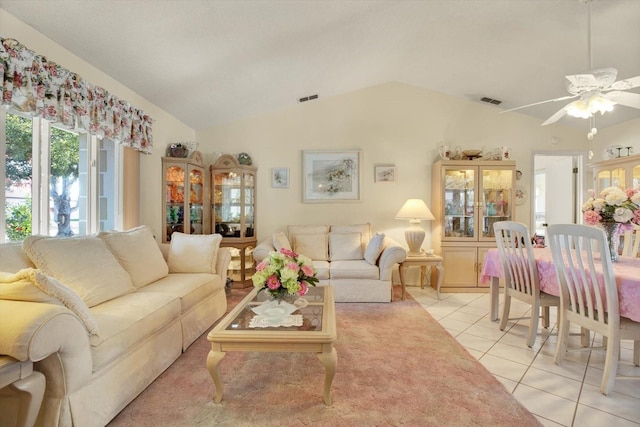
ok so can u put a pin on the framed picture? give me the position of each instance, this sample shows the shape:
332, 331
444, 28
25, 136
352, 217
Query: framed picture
280, 177
384, 173
330, 176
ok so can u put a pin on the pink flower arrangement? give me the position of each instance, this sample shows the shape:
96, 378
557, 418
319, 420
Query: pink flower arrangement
612, 205
285, 273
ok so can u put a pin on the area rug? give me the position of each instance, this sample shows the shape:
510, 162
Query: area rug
396, 367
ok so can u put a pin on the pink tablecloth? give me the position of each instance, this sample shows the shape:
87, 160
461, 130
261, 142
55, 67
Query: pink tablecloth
627, 272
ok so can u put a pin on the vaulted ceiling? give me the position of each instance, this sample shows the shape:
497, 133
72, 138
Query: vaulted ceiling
209, 62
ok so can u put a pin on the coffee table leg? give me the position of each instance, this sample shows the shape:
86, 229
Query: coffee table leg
330, 361
213, 360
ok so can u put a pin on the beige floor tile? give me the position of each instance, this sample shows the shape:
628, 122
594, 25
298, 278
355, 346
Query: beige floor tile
523, 355
456, 325
547, 405
554, 384
504, 368
587, 417
475, 342
617, 404
465, 317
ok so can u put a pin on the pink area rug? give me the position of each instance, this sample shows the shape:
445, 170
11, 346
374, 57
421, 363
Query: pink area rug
396, 367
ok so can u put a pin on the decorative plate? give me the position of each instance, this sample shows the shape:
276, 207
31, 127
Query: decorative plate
521, 195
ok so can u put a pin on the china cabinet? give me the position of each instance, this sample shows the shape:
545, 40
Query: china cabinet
233, 194
467, 198
183, 199
621, 172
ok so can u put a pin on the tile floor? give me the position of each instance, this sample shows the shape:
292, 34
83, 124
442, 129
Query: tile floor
567, 395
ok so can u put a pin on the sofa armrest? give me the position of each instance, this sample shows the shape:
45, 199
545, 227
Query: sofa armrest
222, 263
261, 251
34, 331
392, 254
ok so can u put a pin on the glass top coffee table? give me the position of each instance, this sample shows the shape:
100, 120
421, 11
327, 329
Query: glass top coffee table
315, 333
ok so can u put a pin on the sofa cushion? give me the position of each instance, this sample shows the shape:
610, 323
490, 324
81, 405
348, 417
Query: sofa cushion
126, 321
190, 288
13, 258
138, 253
374, 248
343, 246
353, 270
84, 264
322, 269
313, 246
363, 229
193, 253
34, 286
280, 241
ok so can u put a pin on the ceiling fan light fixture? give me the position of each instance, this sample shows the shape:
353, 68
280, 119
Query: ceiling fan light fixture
587, 106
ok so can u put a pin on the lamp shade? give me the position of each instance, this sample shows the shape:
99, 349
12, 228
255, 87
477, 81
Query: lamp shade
415, 209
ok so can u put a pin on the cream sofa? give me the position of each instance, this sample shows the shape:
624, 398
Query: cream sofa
103, 316
356, 263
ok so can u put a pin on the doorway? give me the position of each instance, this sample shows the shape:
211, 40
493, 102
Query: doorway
557, 189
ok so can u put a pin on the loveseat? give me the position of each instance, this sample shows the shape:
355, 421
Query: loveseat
356, 263
103, 316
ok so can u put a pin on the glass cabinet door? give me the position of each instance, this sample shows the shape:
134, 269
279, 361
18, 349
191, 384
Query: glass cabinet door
611, 178
196, 195
635, 177
174, 182
226, 203
459, 203
248, 215
496, 193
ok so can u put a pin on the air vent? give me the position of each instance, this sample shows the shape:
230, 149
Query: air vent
308, 98
490, 100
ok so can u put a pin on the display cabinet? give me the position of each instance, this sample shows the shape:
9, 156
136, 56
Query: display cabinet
467, 198
184, 197
233, 214
621, 172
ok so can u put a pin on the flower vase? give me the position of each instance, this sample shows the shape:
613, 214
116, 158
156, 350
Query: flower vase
612, 231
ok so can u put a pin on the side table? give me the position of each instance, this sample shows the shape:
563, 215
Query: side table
422, 261
28, 383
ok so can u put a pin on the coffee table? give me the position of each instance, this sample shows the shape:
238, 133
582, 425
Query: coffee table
316, 335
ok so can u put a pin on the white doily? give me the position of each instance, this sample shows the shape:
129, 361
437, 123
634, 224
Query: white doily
260, 321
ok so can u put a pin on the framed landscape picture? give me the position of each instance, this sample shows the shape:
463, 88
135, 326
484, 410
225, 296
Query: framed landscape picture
330, 176
280, 177
384, 173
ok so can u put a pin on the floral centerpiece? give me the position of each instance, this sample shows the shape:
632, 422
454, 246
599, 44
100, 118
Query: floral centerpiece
610, 209
285, 273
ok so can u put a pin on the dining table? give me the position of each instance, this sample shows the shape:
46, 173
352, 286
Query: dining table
626, 272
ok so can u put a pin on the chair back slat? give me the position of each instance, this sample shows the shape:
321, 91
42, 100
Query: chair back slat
581, 255
631, 241
516, 255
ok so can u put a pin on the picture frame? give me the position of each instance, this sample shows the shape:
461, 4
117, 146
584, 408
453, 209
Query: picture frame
331, 176
280, 177
384, 173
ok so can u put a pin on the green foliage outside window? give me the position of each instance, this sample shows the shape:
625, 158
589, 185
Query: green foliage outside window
18, 221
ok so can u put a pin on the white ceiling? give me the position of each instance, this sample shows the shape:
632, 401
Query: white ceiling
211, 62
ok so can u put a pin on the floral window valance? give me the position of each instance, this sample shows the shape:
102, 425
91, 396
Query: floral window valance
32, 84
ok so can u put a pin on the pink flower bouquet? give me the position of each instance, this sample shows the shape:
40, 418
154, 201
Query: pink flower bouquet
285, 273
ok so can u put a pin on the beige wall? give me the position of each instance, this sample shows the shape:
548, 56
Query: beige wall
391, 123
166, 129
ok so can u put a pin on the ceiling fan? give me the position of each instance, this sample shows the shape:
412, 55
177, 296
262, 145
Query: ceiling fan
596, 90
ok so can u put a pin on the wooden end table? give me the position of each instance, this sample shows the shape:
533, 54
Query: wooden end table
28, 383
422, 261
316, 335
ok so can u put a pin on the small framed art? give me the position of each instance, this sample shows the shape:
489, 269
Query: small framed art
280, 177
384, 173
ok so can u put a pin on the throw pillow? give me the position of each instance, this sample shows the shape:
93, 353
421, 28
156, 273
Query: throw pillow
313, 246
138, 253
374, 248
280, 241
193, 253
13, 258
34, 286
345, 246
84, 264
363, 229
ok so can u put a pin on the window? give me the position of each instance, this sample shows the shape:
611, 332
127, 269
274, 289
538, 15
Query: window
56, 181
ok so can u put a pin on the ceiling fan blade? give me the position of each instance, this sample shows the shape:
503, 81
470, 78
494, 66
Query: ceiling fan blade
583, 80
557, 116
625, 84
628, 99
563, 98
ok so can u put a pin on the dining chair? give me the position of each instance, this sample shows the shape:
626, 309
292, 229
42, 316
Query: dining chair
631, 241
580, 253
521, 275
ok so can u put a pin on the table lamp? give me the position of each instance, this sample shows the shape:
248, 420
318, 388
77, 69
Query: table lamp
415, 210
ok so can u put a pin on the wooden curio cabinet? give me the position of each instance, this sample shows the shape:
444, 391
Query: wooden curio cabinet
621, 172
233, 214
185, 195
467, 198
